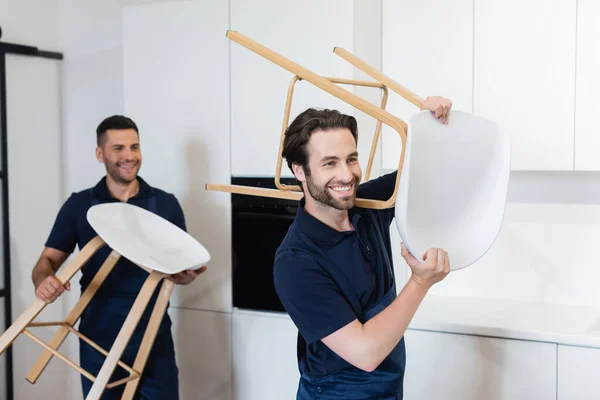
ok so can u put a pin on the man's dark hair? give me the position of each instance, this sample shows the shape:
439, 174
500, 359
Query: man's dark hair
114, 122
304, 125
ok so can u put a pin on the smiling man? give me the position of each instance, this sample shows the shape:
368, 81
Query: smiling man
118, 148
333, 271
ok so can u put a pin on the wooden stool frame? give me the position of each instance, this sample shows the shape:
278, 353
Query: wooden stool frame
101, 382
328, 85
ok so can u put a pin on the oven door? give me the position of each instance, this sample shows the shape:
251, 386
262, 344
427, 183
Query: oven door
259, 225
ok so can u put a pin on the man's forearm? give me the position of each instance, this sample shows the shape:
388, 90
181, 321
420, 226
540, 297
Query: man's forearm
43, 269
383, 332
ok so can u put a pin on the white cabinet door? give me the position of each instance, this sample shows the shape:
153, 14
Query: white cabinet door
264, 356
587, 104
578, 373
176, 85
525, 77
462, 367
34, 110
427, 47
203, 351
305, 33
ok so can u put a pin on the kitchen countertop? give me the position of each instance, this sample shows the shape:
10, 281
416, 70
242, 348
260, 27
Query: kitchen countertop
542, 322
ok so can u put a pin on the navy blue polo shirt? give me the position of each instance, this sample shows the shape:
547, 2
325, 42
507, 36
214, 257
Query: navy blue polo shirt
71, 228
326, 279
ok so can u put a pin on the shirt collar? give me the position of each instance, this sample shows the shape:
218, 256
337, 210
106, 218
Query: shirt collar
318, 231
101, 190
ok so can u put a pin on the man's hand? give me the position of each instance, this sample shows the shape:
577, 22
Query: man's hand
435, 266
50, 289
439, 106
186, 277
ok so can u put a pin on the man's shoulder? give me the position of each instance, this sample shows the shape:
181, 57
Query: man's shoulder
80, 198
163, 194
295, 248
164, 198
289, 240
156, 191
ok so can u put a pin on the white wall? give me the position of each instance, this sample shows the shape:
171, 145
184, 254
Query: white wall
259, 87
31, 23
176, 85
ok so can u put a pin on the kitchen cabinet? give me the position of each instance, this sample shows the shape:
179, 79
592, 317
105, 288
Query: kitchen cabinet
587, 101
34, 128
264, 349
439, 365
462, 367
524, 77
578, 373
427, 47
203, 351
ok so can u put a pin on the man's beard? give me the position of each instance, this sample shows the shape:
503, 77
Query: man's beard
113, 171
322, 195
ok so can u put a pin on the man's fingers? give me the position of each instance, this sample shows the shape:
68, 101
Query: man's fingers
431, 255
56, 285
409, 258
444, 256
405, 253
46, 295
201, 270
40, 295
53, 283
178, 278
50, 290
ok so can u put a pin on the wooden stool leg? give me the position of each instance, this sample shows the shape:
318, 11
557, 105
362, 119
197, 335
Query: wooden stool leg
124, 335
38, 305
149, 336
73, 316
20, 324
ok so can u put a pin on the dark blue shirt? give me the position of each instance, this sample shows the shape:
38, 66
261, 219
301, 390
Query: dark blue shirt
326, 279
71, 228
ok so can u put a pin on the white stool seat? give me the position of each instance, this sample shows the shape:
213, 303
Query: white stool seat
146, 238
453, 187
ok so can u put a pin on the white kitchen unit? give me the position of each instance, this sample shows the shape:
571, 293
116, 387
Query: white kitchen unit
176, 88
264, 348
462, 367
203, 350
524, 77
457, 349
412, 34
304, 33
34, 110
578, 373
587, 101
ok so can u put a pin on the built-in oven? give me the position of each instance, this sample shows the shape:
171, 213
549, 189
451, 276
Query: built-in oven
259, 224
